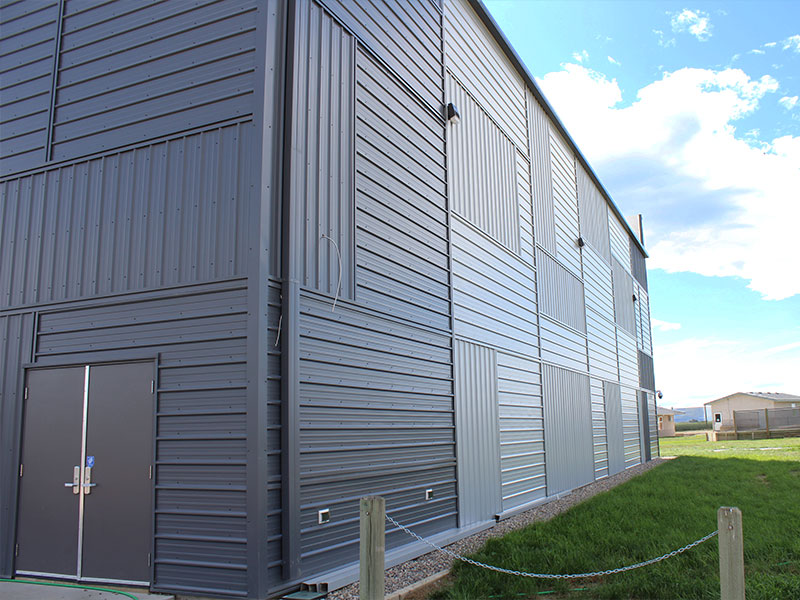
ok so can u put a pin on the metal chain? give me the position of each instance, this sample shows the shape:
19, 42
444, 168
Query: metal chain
551, 575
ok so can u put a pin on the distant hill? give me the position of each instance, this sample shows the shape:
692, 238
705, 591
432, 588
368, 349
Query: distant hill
693, 412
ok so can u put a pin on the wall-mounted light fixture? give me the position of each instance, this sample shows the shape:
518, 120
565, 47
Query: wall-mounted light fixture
452, 114
581, 243
634, 297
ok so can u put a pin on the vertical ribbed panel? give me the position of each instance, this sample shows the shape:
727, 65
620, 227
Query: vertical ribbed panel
519, 397
27, 45
646, 375
624, 305
643, 333
130, 72
544, 228
565, 202
620, 241
628, 359
376, 418
630, 426
567, 429
162, 215
482, 170
599, 439
477, 433
16, 332
560, 292
476, 59
637, 313
322, 178
401, 204
614, 430
651, 406
593, 215
638, 266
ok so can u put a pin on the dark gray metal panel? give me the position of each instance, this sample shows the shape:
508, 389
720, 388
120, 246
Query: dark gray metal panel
376, 417
624, 304
594, 215
638, 266
406, 34
614, 431
643, 333
477, 433
162, 215
644, 427
646, 375
565, 203
544, 231
599, 434
567, 429
561, 294
130, 72
274, 556
27, 44
16, 332
402, 262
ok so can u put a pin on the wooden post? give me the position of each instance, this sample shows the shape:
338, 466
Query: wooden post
373, 531
731, 553
766, 418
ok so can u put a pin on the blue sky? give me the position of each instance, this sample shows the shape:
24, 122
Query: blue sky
690, 114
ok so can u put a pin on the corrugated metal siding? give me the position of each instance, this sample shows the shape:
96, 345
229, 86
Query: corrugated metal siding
644, 427
130, 71
376, 417
599, 439
544, 229
624, 306
637, 313
482, 171
565, 201
475, 58
16, 332
406, 34
563, 346
651, 404
521, 417
494, 293
602, 347
477, 432
166, 214
630, 426
201, 445
614, 429
27, 44
646, 375
627, 356
560, 292
643, 332
598, 285
567, 429
593, 214
402, 262
525, 208
322, 178
620, 241
638, 266
274, 556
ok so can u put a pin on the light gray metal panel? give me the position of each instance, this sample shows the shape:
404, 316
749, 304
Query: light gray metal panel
599, 436
27, 45
130, 72
567, 429
637, 314
638, 266
477, 433
643, 306
597, 283
646, 375
521, 421
644, 427
376, 417
628, 359
525, 208
494, 293
476, 60
624, 305
560, 292
16, 332
565, 202
161, 215
539, 137
201, 461
630, 426
602, 347
593, 215
614, 428
563, 346
322, 178
482, 170
406, 34
402, 262
651, 407
620, 241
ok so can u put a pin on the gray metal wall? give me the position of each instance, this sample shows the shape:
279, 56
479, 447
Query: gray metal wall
651, 403
560, 292
594, 216
630, 425
565, 203
619, 241
623, 298
614, 428
638, 266
539, 140
599, 431
646, 375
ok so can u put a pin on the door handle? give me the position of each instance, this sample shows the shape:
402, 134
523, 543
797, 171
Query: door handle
87, 481
76, 480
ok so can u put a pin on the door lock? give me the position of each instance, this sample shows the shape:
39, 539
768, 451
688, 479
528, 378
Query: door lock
76, 480
87, 481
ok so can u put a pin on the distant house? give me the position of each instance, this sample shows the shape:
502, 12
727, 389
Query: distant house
721, 409
666, 421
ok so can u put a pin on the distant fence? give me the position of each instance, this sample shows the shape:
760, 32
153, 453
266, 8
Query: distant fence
768, 420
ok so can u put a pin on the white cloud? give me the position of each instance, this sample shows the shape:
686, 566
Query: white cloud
714, 203
792, 43
614, 62
694, 22
756, 51
788, 102
662, 41
664, 325
770, 44
581, 56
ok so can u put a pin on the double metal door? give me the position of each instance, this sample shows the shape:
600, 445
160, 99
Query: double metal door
85, 488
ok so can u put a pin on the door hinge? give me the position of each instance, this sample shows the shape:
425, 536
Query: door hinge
152, 386
21, 469
25, 395
149, 559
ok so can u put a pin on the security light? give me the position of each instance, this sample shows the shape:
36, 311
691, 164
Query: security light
452, 114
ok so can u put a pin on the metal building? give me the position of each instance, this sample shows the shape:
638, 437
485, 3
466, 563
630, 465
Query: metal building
251, 270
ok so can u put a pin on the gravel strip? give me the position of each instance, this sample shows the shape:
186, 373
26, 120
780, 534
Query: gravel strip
407, 573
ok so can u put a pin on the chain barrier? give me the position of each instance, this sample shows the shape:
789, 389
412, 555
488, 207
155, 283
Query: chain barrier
551, 575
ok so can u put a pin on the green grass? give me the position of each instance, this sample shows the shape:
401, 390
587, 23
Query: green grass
663, 509
693, 426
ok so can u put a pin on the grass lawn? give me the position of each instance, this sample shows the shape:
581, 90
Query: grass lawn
659, 511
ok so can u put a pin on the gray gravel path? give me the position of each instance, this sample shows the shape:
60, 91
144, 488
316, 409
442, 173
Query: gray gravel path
408, 573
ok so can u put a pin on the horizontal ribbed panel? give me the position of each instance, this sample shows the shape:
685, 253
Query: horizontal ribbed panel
27, 45
539, 139
593, 214
651, 407
598, 285
483, 169
565, 202
624, 304
627, 356
602, 347
619, 240
643, 333
599, 438
630, 426
129, 72
274, 526
478, 449
562, 346
521, 418
560, 292
614, 430
162, 215
477, 60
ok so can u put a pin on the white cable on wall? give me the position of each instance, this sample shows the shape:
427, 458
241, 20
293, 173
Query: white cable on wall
339, 256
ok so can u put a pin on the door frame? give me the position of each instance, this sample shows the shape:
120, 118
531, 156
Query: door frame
125, 358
